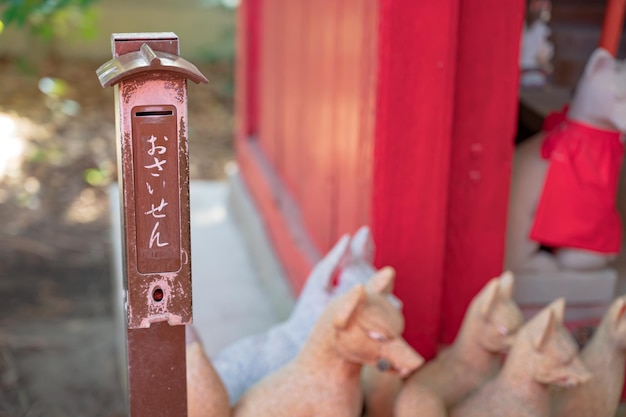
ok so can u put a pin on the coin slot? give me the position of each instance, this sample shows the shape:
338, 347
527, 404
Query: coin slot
154, 113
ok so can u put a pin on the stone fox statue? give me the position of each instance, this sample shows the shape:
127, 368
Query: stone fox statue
206, 394
360, 327
605, 357
543, 354
490, 323
565, 179
246, 361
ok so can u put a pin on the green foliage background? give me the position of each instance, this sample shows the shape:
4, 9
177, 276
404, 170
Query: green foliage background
49, 19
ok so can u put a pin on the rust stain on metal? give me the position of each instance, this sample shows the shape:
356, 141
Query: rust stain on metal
182, 130
178, 87
128, 88
171, 291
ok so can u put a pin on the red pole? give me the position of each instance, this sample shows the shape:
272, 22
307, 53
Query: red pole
612, 26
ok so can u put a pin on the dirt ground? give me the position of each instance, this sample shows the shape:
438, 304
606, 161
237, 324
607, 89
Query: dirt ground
57, 342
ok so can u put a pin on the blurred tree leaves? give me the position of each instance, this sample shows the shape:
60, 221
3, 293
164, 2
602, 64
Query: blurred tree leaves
49, 19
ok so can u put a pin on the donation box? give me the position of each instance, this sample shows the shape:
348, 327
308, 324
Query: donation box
150, 81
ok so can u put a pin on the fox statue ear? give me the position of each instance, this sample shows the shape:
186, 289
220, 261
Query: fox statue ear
600, 59
617, 310
544, 328
547, 321
558, 306
489, 295
349, 304
362, 244
507, 282
331, 265
382, 281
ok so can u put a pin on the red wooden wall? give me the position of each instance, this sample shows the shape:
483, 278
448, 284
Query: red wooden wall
395, 113
309, 117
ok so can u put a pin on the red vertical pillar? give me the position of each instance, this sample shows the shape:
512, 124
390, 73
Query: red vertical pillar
414, 105
485, 115
612, 25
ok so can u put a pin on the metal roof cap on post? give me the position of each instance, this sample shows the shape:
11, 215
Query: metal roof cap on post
146, 59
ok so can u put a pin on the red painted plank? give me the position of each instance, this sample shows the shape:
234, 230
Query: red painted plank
354, 96
485, 122
270, 73
273, 200
416, 59
316, 180
295, 87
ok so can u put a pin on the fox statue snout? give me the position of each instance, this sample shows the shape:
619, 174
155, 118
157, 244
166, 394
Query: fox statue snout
399, 358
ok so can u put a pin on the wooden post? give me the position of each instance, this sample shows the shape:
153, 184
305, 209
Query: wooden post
150, 82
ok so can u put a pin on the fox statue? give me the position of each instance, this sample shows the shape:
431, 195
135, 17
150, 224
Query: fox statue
206, 394
543, 354
565, 179
605, 357
491, 321
362, 326
246, 361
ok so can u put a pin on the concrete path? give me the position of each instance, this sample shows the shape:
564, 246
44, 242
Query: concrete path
229, 301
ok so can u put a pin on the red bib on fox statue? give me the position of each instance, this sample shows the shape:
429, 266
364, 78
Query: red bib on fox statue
577, 208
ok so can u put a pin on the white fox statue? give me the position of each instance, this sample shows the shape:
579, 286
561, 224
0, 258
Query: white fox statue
565, 179
243, 363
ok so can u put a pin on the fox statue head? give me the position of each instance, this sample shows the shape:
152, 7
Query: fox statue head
493, 317
552, 351
368, 327
600, 98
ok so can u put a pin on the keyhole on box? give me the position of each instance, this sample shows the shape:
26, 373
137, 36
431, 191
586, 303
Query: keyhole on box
157, 294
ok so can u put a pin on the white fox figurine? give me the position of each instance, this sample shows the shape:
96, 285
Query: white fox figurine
362, 326
563, 193
490, 324
605, 357
246, 361
544, 353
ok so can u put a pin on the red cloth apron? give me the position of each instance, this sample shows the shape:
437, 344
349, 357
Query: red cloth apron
577, 208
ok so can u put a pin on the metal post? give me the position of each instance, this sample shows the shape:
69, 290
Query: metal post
150, 82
